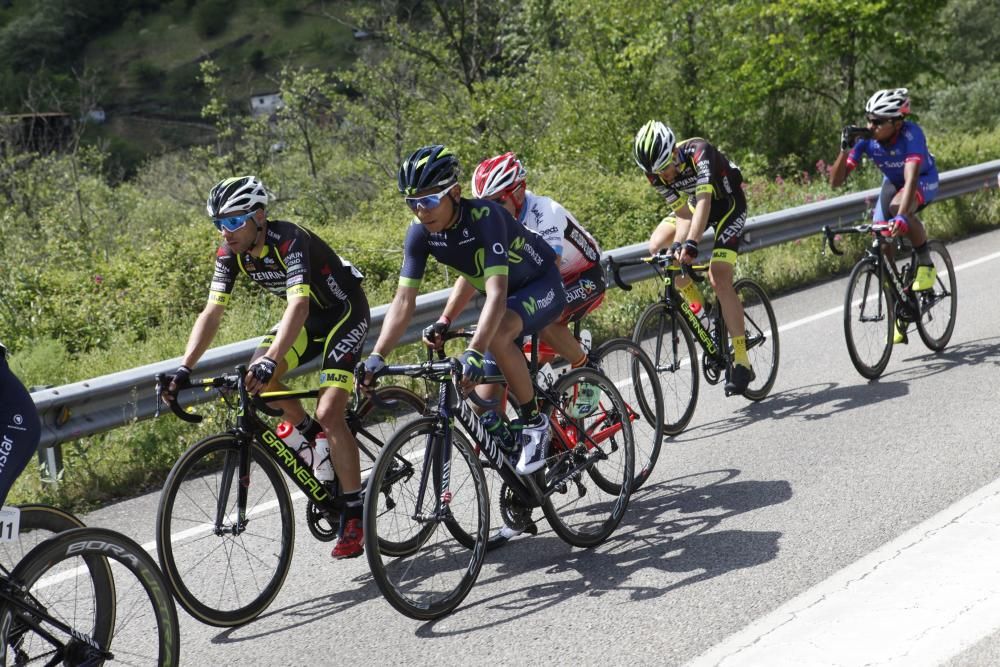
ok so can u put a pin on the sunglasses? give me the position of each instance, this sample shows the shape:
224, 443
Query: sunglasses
879, 122
232, 223
428, 202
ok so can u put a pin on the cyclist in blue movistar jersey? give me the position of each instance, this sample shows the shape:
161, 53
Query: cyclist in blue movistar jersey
514, 267
326, 314
899, 149
20, 428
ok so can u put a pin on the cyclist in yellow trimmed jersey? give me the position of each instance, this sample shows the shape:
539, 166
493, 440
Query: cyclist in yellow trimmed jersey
327, 312
702, 187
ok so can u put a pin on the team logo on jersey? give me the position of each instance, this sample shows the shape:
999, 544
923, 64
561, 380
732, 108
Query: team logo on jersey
481, 212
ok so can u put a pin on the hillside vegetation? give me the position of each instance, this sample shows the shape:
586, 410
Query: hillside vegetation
105, 265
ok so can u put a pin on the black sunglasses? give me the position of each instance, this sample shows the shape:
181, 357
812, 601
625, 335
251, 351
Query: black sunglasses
879, 122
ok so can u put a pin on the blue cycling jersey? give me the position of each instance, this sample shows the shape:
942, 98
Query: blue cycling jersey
486, 241
909, 145
20, 428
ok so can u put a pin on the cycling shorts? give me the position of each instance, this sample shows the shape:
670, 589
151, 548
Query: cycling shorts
339, 334
927, 189
727, 217
584, 293
540, 302
20, 428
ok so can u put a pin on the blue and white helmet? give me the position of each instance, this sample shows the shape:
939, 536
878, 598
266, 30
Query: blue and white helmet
889, 103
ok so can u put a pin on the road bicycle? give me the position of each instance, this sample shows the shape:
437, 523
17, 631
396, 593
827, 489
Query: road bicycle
668, 331
438, 512
82, 596
879, 295
225, 527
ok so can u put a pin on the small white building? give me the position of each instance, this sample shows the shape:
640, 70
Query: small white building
265, 104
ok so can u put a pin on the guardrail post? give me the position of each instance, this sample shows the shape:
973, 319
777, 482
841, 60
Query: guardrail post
50, 463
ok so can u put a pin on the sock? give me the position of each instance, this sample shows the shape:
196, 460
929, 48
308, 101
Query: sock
529, 411
309, 427
353, 507
692, 295
924, 255
740, 351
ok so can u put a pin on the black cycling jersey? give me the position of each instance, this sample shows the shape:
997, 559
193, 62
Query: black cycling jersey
702, 168
486, 241
20, 428
294, 262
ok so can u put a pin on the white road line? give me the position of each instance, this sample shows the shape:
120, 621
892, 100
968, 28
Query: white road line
918, 600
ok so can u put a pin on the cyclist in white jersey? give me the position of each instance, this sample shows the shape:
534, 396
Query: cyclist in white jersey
502, 179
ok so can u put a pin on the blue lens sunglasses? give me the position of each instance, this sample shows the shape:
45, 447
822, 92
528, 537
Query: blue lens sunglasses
232, 223
428, 201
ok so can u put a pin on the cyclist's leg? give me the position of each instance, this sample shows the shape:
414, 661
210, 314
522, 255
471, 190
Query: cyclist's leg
584, 293
307, 345
20, 427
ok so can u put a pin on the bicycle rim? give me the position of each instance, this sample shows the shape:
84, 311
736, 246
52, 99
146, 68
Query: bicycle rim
665, 338
635, 377
429, 572
598, 442
868, 321
143, 627
761, 337
220, 575
939, 304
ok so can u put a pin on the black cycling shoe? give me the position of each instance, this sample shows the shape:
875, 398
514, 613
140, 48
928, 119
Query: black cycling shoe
739, 379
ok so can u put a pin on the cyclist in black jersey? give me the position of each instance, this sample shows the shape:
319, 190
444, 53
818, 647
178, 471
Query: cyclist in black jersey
20, 428
497, 256
327, 313
701, 186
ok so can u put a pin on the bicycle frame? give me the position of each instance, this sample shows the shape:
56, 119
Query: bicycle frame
875, 254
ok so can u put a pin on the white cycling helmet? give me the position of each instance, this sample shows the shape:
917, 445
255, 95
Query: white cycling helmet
653, 149
233, 195
889, 103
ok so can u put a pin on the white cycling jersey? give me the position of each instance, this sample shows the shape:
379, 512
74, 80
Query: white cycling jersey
577, 249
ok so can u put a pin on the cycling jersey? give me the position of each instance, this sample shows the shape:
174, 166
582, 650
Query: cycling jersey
20, 427
293, 263
577, 248
909, 145
486, 241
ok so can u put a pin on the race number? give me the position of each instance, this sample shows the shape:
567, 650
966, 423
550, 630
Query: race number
10, 523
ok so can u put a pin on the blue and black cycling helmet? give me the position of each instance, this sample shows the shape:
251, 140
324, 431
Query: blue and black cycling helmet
427, 167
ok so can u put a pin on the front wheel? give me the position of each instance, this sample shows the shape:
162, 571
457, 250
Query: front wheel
224, 563
591, 464
53, 579
428, 571
625, 362
761, 337
868, 320
939, 304
668, 342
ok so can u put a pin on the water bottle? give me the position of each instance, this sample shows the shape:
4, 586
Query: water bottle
587, 399
323, 468
296, 441
498, 429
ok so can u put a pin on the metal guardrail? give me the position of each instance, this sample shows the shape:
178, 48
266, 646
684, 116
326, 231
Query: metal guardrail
103, 403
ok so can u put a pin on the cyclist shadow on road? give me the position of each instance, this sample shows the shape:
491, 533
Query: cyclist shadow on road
969, 353
669, 535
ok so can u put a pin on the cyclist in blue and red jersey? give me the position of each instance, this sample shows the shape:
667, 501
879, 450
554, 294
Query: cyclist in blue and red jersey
326, 314
496, 256
898, 148
20, 428
702, 187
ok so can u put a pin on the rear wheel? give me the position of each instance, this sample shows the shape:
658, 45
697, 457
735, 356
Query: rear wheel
868, 320
668, 342
634, 375
592, 434
939, 304
761, 337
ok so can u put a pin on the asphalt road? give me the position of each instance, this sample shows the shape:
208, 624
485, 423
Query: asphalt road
753, 505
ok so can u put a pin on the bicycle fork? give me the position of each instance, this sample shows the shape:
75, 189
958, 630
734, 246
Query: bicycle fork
236, 466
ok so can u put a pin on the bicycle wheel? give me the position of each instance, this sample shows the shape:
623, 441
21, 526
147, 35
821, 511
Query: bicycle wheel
868, 320
938, 304
222, 573
665, 337
38, 523
432, 572
761, 337
140, 614
634, 375
373, 427
590, 433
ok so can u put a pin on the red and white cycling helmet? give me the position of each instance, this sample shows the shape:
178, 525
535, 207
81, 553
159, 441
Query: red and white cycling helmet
498, 176
889, 103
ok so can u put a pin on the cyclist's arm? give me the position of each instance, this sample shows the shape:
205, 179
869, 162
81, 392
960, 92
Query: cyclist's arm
699, 221
396, 319
911, 176
459, 298
204, 330
838, 172
493, 311
292, 321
